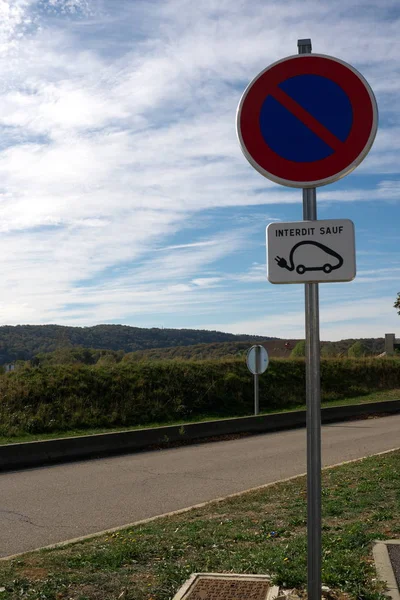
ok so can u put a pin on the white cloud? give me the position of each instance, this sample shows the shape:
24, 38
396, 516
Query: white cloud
191, 245
14, 21
206, 282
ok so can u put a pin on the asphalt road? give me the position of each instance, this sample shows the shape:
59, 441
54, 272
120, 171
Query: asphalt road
51, 504
394, 554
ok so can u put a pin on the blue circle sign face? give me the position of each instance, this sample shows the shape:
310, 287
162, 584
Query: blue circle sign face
307, 120
323, 99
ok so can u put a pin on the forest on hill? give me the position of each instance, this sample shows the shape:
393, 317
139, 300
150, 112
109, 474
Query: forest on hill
213, 351
23, 342
373, 346
276, 348
92, 356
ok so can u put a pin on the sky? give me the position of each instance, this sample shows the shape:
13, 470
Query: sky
124, 194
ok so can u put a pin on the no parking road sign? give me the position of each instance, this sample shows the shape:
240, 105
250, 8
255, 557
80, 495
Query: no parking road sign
307, 120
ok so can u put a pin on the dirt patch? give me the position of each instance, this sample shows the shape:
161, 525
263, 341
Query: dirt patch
331, 595
83, 591
35, 573
147, 578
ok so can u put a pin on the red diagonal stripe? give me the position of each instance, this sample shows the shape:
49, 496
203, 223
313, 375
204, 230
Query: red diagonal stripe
307, 119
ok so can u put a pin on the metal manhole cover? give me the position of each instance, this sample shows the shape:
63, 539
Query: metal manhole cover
227, 589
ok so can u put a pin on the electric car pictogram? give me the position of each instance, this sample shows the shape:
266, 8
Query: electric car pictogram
328, 260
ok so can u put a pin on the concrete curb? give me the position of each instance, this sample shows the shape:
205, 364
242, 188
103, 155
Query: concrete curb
35, 454
180, 511
384, 568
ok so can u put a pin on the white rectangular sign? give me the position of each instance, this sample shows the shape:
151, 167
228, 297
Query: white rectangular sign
311, 251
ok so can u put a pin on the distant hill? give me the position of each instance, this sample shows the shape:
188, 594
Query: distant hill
275, 348
22, 342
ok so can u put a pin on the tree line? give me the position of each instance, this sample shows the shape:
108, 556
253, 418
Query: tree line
217, 351
345, 348
23, 342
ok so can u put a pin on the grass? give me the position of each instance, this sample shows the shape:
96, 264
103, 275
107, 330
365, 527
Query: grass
262, 531
393, 394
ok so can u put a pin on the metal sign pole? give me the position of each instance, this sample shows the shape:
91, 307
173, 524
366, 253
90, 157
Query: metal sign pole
313, 420
313, 394
256, 401
256, 388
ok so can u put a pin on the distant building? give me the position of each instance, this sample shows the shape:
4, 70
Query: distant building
391, 344
9, 367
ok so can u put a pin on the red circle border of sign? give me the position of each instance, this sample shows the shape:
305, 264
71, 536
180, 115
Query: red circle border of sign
321, 172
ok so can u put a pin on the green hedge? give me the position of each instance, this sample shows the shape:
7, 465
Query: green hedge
64, 397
